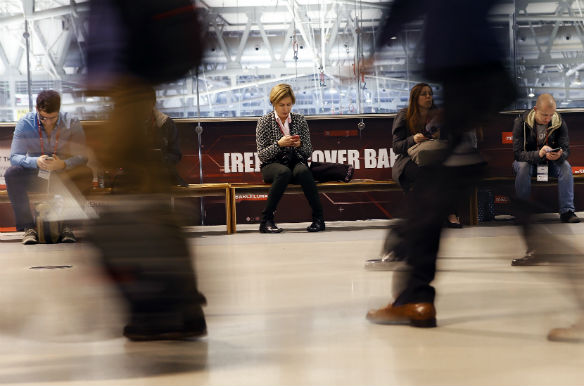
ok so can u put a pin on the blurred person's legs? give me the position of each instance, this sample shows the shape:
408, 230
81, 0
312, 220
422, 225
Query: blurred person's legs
433, 194
146, 253
437, 189
393, 252
279, 176
142, 244
302, 175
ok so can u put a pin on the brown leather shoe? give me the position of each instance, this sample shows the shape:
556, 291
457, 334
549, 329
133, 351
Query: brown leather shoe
573, 334
414, 314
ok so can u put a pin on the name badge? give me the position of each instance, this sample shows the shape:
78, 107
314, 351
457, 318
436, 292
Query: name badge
542, 173
44, 174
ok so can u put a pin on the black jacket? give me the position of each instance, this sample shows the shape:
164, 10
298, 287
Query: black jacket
525, 146
402, 140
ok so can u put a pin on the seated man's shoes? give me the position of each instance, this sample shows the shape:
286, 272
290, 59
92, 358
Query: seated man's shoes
30, 237
67, 235
569, 217
573, 334
413, 314
268, 226
316, 226
530, 258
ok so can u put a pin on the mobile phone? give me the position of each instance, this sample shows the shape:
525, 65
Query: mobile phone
557, 149
49, 159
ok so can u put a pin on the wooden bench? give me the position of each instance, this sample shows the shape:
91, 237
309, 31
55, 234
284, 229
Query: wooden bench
204, 190
193, 190
323, 187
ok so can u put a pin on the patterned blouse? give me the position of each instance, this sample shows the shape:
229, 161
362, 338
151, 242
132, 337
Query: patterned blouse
268, 133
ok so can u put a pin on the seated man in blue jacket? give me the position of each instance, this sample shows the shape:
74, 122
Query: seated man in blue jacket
47, 144
540, 141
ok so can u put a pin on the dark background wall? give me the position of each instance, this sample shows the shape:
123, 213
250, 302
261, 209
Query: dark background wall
228, 149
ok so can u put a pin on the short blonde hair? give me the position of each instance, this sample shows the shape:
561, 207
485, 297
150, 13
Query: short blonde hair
280, 92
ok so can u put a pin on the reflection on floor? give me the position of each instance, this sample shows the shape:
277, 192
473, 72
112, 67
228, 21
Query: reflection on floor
289, 309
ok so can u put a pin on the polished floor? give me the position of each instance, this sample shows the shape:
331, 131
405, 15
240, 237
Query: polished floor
289, 309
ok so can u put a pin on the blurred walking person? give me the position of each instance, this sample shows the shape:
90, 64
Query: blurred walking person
134, 45
461, 53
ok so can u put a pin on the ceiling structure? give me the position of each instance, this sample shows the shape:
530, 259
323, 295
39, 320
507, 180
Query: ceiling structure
315, 45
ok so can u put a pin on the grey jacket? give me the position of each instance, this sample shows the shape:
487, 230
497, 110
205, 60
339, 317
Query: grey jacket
268, 133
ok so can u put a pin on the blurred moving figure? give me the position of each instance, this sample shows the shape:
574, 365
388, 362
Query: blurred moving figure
163, 133
133, 45
162, 140
462, 54
283, 142
417, 123
47, 145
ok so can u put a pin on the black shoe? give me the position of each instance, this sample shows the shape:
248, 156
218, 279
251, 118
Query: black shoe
569, 217
139, 333
530, 258
268, 226
316, 226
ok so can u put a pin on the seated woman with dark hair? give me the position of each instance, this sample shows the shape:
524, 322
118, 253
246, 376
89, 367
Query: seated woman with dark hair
410, 128
417, 123
283, 142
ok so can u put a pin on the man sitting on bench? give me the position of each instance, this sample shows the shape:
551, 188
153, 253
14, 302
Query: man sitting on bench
47, 144
541, 148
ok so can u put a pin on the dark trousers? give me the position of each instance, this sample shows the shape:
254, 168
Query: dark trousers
142, 244
280, 176
21, 181
430, 200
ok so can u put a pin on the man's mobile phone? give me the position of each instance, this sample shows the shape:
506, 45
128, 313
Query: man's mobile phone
557, 149
49, 159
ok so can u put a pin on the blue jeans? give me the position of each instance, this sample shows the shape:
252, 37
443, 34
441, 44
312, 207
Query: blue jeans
563, 172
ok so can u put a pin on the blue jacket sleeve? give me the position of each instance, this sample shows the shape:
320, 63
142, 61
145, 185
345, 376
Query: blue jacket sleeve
19, 148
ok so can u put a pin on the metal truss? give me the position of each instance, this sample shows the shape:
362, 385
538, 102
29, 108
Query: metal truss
315, 46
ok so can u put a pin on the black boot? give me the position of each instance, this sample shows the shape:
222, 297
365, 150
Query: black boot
316, 226
268, 226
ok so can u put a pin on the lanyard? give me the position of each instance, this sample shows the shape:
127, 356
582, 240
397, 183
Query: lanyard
49, 139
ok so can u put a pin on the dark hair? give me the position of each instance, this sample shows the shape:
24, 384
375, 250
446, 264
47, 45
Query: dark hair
48, 101
413, 113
